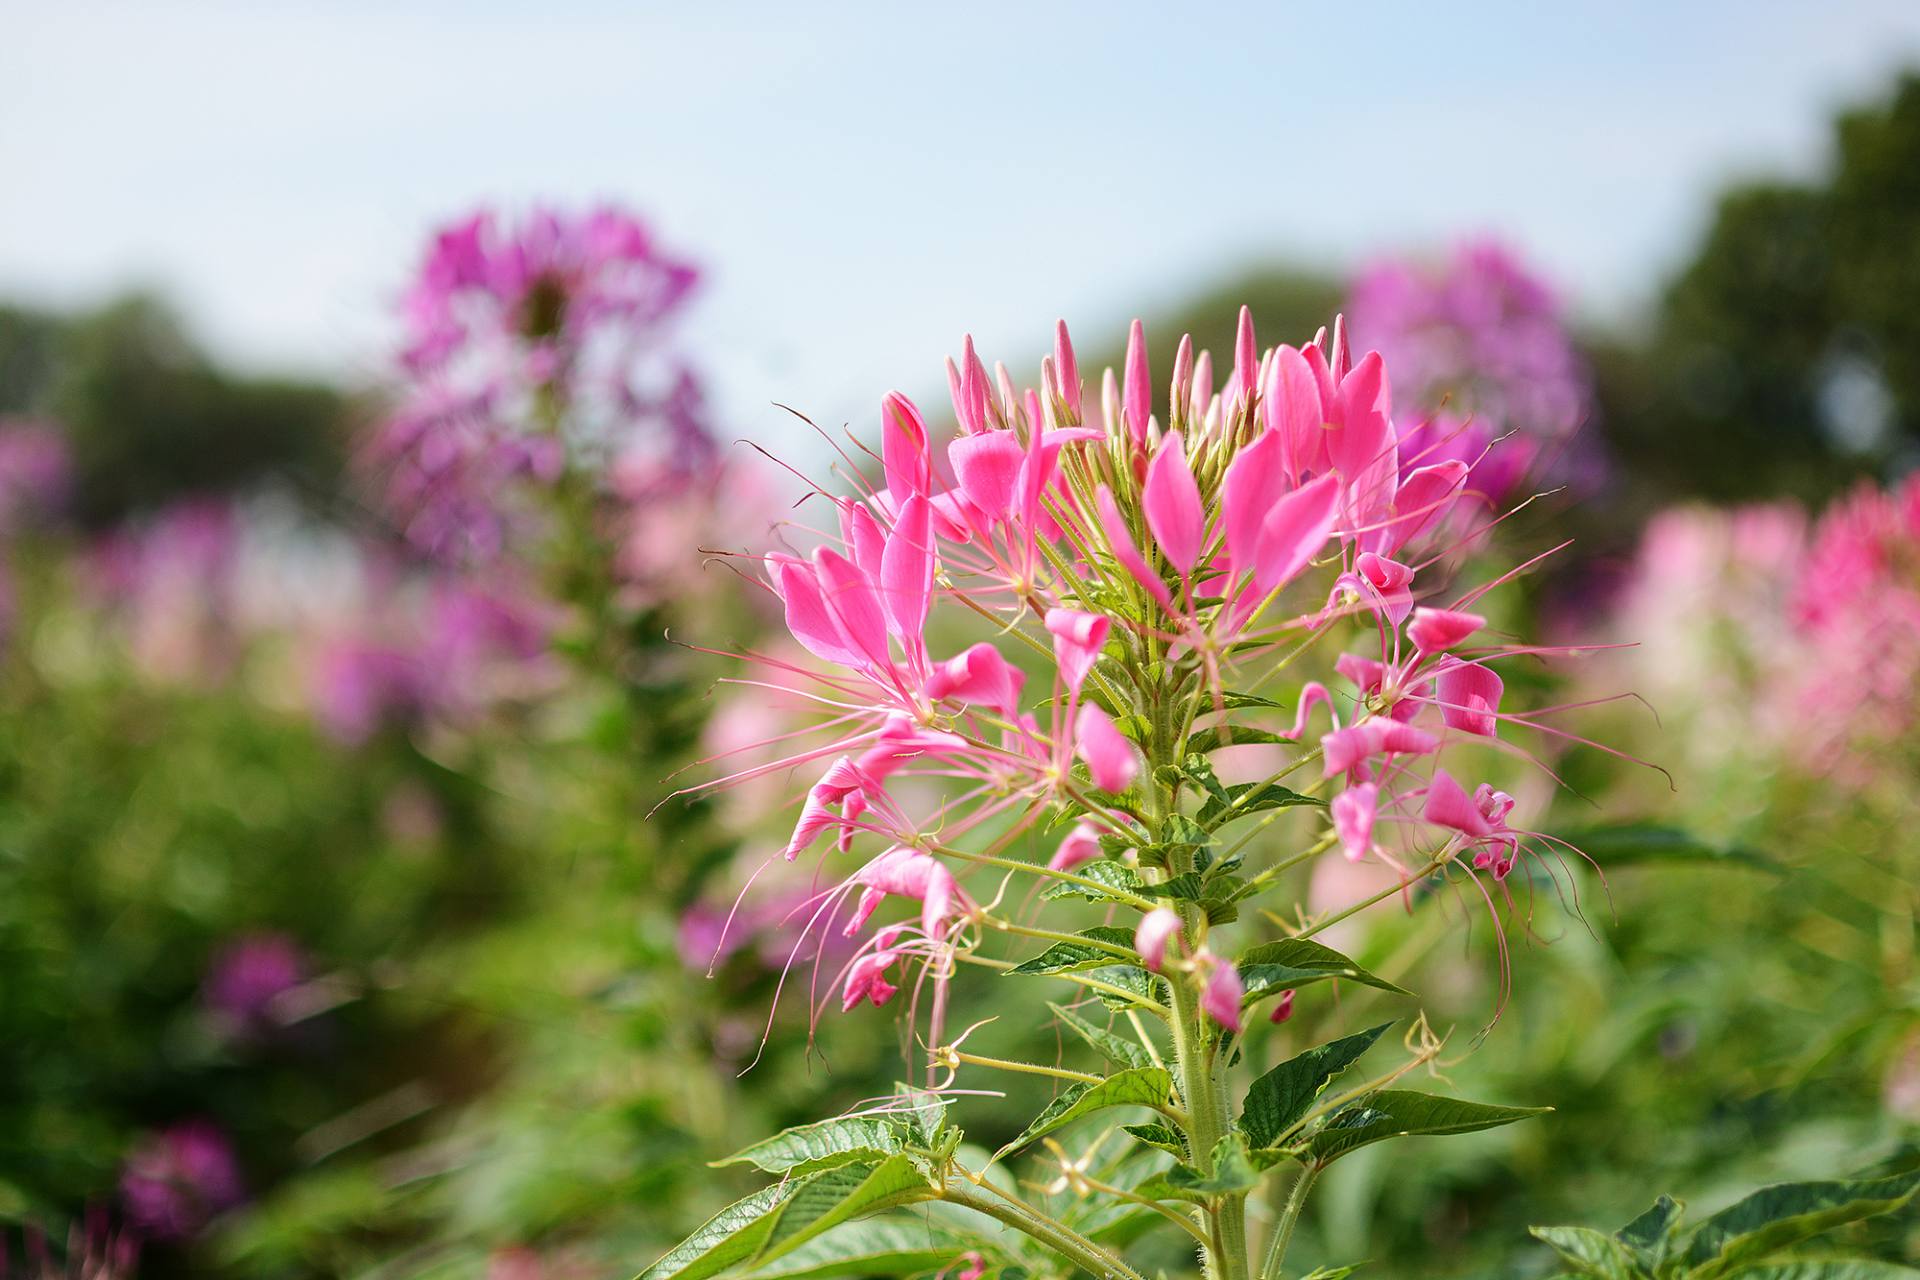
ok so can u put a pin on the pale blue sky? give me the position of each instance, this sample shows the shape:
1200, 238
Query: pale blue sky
864, 182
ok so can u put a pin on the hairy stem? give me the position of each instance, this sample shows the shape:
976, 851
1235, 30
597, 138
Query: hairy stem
1289, 1219
1062, 1239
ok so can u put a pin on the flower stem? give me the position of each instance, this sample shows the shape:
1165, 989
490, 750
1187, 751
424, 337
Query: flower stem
1289, 1219
1062, 1239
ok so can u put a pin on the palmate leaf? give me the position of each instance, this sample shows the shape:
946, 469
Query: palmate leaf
825, 1144
1402, 1113
1074, 957
1140, 1087
1296, 962
1109, 1045
896, 1246
1281, 1097
1774, 1217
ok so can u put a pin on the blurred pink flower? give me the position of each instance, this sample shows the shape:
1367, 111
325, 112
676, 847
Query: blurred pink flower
1480, 345
177, 1180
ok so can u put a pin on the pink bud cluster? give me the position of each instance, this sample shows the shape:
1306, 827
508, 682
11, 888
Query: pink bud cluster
530, 350
1135, 583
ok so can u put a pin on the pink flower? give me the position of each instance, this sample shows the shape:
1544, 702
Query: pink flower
1109, 756
1157, 928
1282, 1008
1082, 845
1221, 998
1353, 817
1077, 641
175, 1181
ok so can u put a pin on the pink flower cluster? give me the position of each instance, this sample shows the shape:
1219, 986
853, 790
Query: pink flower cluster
36, 474
1767, 633
1146, 576
532, 349
1481, 343
203, 587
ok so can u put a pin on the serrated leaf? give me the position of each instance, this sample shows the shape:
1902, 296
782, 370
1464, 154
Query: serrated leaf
824, 1144
1183, 831
1127, 977
1109, 1045
1252, 797
1074, 957
1592, 1253
728, 1238
1640, 842
1278, 1099
1136, 1087
1107, 873
1775, 1217
1164, 1136
825, 1200
923, 1110
1402, 1113
875, 1247
1188, 886
1199, 771
1296, 962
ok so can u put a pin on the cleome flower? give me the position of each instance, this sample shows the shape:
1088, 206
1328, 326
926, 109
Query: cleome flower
1139, 578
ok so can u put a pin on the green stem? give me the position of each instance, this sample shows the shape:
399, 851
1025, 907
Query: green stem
1062, 1239
1289, 1219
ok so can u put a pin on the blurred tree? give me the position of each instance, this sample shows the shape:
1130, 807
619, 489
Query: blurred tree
1289, 304
151, 418
1791, 341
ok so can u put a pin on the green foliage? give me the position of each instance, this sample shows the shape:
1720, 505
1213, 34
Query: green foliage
1751, 1239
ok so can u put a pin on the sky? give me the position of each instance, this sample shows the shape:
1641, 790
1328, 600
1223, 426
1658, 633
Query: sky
865, 182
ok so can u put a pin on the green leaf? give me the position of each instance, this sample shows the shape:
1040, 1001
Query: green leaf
875, 1247
1834, 1269
1138, 1087
826, 1200
1110, 1045
1592, 1253
1296, 962
1281, 1097
1332, 1273
1074, 957
1401, 1113
1638, 842
1127, 977
728, 1238
1233, 1174
1114, 875
1653, 1228
1774, 1217
825, 1144
1164, 1136
1208, 740
1252, 797
923, 1110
